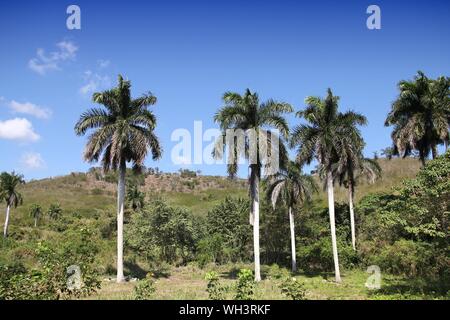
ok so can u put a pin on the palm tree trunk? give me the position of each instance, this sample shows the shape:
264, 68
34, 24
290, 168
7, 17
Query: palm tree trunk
35, 222
292, 228
330, 190
120, 209
5, 227
434, 151
352, 216
254, 186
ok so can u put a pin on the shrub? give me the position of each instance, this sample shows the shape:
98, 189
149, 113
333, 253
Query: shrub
216, 291
293, 289
144, 288
246, 285
53, 277
229, 231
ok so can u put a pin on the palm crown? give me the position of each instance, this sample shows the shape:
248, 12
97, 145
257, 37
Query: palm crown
124, 128
328, 130
420, 116
8, 188
291, 185
245, 112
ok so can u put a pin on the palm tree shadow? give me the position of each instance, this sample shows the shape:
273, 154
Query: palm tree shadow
134, 270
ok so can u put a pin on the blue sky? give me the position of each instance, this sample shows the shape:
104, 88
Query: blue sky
189, 52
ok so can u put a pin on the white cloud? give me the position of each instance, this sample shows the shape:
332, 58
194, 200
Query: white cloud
43, 62
30, 109
94, 82
32, 160
103, 63
18, 129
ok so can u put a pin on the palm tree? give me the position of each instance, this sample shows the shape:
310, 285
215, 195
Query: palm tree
135, 198
54, 211
35, 213
244, 113
294, 188
352, 166
8, 192
124, 132
420, 116
322, 139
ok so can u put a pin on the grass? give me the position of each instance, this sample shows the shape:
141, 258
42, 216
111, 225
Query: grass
188, 283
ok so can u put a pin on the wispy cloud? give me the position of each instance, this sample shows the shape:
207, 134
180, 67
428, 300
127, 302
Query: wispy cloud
32, 161
42, 63
30, 109
94, 82
103, 63
18, 129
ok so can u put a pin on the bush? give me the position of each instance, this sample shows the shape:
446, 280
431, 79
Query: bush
163, 233
64, 270
145, 288
406, 231
216, 291
229, 235
246, 285
275, 272
293, 289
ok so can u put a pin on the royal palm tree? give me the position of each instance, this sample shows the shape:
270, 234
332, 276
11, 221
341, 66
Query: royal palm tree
321, 139
245, 114
54, 211
124, 132
293, 188
420, 116
351, 168
35, 213
135, 198
8, 192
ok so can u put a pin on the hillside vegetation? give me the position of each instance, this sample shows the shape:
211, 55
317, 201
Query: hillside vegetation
82, 193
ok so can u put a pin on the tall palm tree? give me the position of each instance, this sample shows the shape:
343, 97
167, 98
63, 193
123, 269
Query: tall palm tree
124, 132
321, 139
8, 192
420, 116
244, 113
352, 167
293, 188
35, 213
135, 198
54, 211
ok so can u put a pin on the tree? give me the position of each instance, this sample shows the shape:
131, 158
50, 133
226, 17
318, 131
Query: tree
135, 198
124, 132
293, 188
244, 114
420, 116
35, 213
54, 211
8, 192
351, 166
322, 139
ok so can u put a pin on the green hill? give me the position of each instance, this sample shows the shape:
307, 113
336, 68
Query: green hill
85, 193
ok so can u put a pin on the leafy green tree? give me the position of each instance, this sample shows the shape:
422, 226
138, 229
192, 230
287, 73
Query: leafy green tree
421, 116
9, 183
322, 139
163, 233
54, 211
245, 113
135, 198
124, 132
293, 188
228, 236
35, 213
